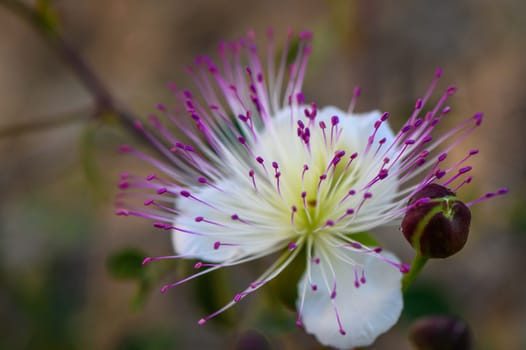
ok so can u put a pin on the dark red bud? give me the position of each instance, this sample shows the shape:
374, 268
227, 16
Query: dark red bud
436, 223
440, 333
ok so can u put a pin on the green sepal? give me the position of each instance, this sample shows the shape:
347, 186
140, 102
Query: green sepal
365, 238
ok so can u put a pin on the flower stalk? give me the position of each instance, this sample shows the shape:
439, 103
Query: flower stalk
416, 267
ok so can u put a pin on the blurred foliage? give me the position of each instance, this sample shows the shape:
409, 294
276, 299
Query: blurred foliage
292, 52
127, 264
274, 321
283, 287
518, 215
48, 310
425, 298
211, 292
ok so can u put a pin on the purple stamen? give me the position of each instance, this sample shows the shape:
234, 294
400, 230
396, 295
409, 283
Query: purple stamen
304, 199
460, 172
305, 168
334, 128
236, 217
294, 209
251, 173
122, 212
322, 178
356, 278
349, 194
500, 192
356, 245
333, 292
356, 93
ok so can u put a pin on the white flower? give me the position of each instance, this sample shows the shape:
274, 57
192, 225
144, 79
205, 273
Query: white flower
264, 172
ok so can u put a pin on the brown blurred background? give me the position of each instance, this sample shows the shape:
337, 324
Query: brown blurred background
57, 226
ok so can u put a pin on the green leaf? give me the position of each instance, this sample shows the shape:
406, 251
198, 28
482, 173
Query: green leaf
126, 264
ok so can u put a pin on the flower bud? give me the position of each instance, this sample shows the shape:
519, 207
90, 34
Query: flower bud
440, 333
436, 223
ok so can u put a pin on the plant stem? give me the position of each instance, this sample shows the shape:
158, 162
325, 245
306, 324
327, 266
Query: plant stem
104, 100
40, 125
416, 266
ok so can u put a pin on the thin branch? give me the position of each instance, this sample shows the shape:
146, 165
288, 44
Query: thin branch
40, 125
104, 100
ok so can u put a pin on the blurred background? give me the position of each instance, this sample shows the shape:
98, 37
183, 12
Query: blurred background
65, 275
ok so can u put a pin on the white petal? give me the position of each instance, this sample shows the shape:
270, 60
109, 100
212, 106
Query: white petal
365, 312
242, 240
